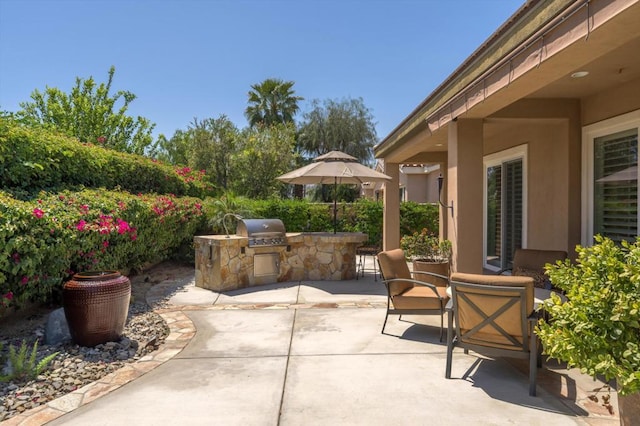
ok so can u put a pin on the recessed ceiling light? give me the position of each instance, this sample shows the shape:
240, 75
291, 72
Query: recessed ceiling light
438, 144
580, 74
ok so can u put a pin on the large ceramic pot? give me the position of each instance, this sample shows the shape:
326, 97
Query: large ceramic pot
96, 305
441, 268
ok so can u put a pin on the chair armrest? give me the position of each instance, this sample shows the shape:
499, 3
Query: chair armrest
416, 282
449, 307
534, 316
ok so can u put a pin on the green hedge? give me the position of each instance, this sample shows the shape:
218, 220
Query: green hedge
33, 159
361, 216
44, 241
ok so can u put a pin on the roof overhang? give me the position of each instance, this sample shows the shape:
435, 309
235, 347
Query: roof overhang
531, 55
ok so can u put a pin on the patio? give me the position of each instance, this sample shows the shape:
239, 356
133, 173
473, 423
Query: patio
312, 353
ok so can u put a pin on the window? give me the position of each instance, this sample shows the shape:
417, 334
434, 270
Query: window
610, 180
504, 206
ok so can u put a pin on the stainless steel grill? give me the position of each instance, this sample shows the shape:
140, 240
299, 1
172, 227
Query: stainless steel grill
262, 232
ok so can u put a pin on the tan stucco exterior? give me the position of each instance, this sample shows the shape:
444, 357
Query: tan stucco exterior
540, 108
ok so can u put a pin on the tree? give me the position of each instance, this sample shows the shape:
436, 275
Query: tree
345, 125
206, 145
263, 154
173, 151
212, 144
90, 114
272, 102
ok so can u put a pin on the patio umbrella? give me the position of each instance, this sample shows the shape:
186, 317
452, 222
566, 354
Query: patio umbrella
335, 168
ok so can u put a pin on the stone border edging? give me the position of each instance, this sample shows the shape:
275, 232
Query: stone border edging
181, 331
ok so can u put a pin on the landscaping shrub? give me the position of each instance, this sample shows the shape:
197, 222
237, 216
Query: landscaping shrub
34, 159
415, 217
45, 241
362, 215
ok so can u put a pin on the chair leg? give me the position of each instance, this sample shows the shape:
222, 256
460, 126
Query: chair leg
385, 322
375, 272
533, 360
447, 371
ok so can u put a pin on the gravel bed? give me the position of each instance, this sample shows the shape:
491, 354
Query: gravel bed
76, 366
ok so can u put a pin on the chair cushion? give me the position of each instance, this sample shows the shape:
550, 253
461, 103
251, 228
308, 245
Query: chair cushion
536, 259
420, 297
499, 280
393, 265
540, 279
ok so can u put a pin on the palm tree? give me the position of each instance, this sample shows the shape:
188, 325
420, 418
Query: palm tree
272, 101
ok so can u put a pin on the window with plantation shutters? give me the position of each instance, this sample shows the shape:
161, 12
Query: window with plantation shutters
610, 179
615, 172
504, 206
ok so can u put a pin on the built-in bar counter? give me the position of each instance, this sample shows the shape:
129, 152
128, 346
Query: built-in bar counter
228, 262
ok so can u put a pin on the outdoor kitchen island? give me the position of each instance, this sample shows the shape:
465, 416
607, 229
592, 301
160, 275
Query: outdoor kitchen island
229, 262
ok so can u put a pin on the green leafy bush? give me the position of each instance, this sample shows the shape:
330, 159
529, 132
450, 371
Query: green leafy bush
426, 247
45, 241
415, 217
35, 159
598, 328
362, 215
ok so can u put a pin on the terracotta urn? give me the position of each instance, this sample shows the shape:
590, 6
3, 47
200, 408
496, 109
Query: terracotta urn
96, 304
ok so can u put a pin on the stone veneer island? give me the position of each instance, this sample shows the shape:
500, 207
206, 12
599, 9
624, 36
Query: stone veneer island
228, 263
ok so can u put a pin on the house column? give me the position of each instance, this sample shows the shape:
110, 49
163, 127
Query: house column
391, 211
464, 193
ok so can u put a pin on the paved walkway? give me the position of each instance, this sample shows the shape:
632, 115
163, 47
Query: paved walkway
312, 353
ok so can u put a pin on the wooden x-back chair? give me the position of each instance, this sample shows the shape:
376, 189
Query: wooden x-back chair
493, 315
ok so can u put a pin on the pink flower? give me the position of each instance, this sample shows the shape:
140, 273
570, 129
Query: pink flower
81, 225
8, 296
102, 139
84, 208
134, 237
16, 257
38, 213
123, 227
24, 280
105, 244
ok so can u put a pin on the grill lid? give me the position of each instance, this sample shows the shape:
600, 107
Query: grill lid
262, 231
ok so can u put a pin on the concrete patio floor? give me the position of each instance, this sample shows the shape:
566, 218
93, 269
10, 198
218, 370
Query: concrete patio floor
312, 353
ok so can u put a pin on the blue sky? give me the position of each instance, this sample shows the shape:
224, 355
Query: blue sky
198, 58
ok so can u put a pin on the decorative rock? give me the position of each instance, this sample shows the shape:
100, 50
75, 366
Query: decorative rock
57, 330
76, 366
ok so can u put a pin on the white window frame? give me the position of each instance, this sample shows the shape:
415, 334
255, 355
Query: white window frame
591, 132
492, 160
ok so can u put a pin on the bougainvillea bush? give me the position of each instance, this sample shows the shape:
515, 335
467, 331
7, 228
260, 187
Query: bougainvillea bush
35, 159
46, 240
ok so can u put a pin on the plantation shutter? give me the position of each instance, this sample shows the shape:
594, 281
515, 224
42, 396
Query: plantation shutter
504, 183
494, 216
513, 208
616, 185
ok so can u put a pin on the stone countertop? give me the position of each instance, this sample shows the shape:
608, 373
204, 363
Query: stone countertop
293, 237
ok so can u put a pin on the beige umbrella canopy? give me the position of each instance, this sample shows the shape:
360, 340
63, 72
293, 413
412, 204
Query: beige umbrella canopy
335, 168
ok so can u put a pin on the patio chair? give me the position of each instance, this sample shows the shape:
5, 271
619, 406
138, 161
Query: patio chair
420, 293
493, 315
531, 262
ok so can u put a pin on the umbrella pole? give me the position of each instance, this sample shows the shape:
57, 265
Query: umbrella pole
335, 204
